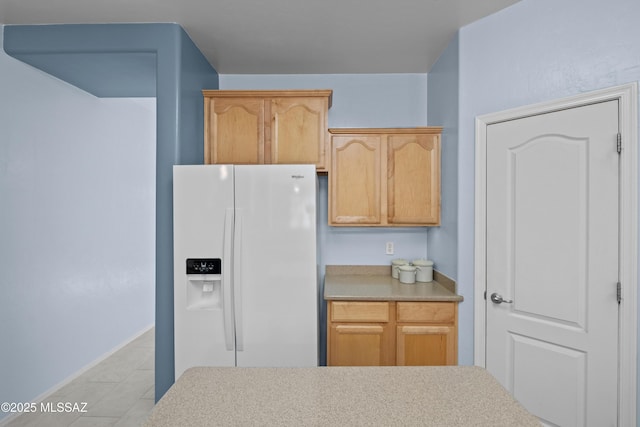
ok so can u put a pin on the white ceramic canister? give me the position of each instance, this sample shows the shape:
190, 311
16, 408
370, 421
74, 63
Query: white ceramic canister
395, 264
407, 273
424, 270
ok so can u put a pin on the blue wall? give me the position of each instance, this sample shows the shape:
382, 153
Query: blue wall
534, 51
359, 100
107, 60
69, 163
178, 74
443, 105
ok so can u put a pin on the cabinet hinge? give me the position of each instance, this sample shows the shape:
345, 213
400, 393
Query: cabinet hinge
485, 295
619, 292
619, 144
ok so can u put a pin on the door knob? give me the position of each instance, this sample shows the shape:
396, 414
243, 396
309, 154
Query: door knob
497, 299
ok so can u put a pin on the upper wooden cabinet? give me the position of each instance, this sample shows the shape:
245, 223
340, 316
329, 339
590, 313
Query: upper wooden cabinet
272, 127
385, 177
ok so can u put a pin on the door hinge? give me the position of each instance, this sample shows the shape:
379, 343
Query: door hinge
619, 144
619, 292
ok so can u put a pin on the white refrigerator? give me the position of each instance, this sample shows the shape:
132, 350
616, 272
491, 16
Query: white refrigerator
245, 269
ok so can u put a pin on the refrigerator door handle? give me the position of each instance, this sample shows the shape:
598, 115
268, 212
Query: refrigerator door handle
237, 279
227, 295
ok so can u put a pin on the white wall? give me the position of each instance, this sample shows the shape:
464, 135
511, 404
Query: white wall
77, 227
533, 51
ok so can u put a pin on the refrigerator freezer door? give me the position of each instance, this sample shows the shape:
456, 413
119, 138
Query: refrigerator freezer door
203, 217
276, 293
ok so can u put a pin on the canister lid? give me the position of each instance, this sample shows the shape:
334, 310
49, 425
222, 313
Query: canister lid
407, 268
422, 262
399, 261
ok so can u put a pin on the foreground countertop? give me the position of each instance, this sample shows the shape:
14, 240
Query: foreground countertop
339, 396
374, 283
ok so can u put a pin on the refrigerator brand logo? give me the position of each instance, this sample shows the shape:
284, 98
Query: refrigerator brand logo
297, 176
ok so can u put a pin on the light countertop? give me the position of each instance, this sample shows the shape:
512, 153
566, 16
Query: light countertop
339, 396
374, 283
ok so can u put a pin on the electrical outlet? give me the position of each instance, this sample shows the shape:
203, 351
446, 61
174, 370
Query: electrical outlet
389, 248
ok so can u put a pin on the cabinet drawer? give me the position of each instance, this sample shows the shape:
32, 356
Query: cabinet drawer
432, 312
357, 311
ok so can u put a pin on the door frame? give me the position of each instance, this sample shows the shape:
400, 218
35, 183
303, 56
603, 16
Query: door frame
627, 95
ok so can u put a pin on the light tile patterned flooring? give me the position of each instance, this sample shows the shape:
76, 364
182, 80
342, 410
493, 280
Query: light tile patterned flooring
119, 391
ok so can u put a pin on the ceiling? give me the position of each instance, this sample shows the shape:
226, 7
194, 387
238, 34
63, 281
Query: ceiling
286, 36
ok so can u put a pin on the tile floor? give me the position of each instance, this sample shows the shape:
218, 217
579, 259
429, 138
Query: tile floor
118, 391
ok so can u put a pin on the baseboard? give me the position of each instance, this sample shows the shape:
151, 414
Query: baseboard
76, 374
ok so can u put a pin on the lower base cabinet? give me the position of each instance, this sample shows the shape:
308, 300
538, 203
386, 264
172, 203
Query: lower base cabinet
389, 333
361, 334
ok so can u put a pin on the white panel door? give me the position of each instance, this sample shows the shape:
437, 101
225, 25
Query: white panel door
552, 255
275, 282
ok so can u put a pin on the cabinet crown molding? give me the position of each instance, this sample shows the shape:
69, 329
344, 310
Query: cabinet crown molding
424, 130
215, 93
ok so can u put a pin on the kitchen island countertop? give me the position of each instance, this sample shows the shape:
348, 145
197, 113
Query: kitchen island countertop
339, 396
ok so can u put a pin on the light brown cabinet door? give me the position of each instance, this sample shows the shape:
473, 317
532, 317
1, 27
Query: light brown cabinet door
413, 174
299, 131
420, 345
355, 180
360, 333
360, 345
440, 313
266, 127
360, 311
385, 177
235, 131
427, 333
383, 333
